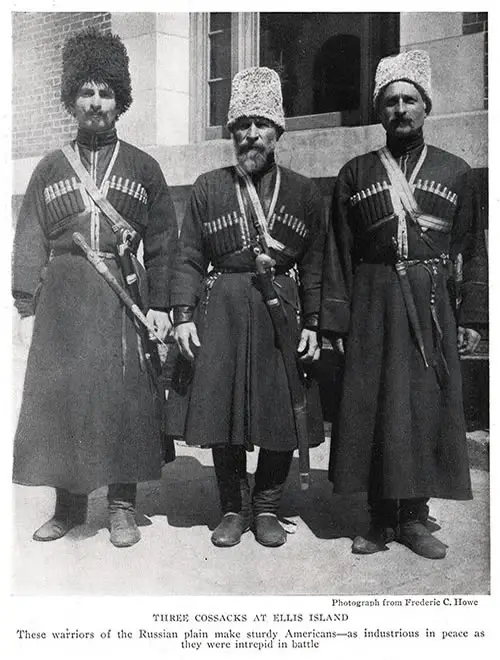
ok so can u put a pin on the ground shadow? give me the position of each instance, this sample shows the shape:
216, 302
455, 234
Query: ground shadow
187, 495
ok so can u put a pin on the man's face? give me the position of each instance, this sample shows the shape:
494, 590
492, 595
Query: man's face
401, 109
254, 140
95, 107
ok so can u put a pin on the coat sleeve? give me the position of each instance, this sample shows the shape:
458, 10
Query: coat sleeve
191, 262
310, 264
468, 249
160, 238
337, 262
31, 247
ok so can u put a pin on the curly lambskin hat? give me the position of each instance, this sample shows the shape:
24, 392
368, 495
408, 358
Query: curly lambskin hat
256, 92
93, 56
413, 66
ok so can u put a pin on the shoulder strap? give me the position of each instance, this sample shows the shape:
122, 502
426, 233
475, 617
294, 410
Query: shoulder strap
111, 215
402, 190
260, 219
398, 179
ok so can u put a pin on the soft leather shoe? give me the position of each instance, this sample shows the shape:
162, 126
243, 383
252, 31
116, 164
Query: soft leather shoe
55, 528
374, 541
230, 530
268, 530
418, 538
123, 528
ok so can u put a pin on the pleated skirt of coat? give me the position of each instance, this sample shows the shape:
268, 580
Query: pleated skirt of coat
401, 429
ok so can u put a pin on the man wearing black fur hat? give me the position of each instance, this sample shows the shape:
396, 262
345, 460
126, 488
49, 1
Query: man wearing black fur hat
88, 417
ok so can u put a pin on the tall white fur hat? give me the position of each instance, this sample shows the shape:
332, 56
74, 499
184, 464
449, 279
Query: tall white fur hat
256, 92
413, 66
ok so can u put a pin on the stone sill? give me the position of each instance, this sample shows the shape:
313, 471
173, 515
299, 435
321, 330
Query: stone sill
315, 153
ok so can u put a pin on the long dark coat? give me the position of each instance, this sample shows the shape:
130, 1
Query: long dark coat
87, 417
239, 393
401, 430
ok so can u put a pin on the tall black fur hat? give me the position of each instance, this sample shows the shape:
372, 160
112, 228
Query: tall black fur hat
92, 56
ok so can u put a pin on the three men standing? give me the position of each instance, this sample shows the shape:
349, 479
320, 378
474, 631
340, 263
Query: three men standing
88, 416
403, 219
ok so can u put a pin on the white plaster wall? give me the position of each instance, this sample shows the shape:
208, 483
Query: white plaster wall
158, 48
172, 74
457, 60
172, 64
173, 23
419, 27
172, 78
457, 73
133, 24
139, 124
172, 111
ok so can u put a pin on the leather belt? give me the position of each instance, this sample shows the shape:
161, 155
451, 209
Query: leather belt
55, 252
277, 270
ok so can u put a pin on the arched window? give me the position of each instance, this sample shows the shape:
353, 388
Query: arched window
336, 75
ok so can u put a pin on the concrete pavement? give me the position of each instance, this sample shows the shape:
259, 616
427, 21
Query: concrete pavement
176, 557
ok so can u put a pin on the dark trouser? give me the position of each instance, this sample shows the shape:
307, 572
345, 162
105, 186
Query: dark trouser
122, 495
231, 472
70, 506
391, 512
75, 506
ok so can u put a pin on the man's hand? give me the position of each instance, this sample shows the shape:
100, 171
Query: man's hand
186, 336
467, 340
160, 321
308, 346
26, 330
339, 345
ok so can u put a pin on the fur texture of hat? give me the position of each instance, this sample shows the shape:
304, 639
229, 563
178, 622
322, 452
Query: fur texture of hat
412, 66
256, 92
93, 56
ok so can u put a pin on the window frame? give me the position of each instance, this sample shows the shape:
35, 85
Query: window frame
245, 46
245, 52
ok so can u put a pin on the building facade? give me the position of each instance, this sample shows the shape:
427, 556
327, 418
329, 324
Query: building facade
182, 64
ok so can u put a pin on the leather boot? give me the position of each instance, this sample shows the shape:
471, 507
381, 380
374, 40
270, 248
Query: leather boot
383, 523
70, 511
270, 478
121, 508
414, 533
234, 493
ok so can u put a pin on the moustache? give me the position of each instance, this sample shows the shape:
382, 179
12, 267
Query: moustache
245, 148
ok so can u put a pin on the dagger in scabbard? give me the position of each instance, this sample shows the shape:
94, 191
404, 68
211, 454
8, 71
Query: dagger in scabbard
264, 265
98, 263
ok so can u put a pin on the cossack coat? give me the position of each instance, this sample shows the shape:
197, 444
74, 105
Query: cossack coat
87, 417
401, 429
238, 392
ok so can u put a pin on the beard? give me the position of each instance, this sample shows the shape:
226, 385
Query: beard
252, 160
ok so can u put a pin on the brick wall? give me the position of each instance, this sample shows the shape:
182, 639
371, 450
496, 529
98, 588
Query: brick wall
477, 21
39, 121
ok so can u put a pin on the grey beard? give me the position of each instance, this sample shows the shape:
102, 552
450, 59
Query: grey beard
252, 161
